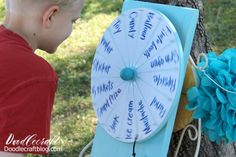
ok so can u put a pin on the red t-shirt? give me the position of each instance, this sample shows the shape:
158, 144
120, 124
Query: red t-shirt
27, 88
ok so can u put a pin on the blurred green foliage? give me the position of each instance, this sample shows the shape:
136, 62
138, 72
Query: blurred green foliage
73, 118
93, 7
220, 23
2, 10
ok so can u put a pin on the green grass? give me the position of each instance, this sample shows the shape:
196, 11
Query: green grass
73, 119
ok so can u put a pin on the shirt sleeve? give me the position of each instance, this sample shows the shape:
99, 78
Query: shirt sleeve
25, 119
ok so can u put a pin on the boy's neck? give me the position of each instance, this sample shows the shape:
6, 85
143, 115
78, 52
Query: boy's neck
17, 26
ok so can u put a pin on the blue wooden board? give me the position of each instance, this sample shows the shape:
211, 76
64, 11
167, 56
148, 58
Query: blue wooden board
184, 20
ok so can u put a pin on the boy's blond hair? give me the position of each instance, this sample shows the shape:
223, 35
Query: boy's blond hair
63, 2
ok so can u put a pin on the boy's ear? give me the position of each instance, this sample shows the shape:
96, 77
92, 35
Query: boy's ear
49, 15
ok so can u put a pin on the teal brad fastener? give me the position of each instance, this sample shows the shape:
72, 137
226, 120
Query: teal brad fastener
128, 74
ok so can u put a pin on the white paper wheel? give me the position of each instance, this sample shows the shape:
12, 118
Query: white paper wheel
135, 74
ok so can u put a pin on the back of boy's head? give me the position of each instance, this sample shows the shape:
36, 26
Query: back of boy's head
63, 2
12, 4
45, 18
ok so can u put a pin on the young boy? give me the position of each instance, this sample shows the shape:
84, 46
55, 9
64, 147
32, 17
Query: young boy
27, 82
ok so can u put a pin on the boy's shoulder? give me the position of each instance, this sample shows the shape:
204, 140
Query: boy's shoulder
16, 56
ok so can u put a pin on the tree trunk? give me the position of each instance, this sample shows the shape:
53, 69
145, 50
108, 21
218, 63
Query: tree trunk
200, 44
